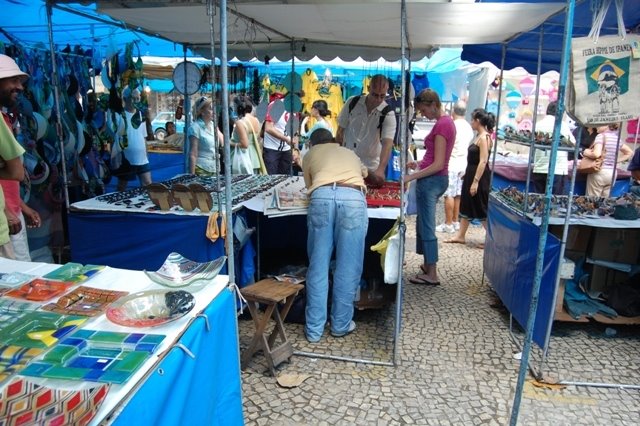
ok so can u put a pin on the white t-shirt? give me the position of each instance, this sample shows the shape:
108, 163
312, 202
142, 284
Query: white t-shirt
464, 136
361, 130
271, 142
136, 151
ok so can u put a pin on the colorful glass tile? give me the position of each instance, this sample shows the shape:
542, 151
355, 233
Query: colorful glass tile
25, 402
38, 329
105, 357
12, 310
15, 358
9, 280
40, 290
74, 272
86, 301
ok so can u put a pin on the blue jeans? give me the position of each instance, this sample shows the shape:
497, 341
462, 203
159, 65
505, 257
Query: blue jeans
428, 191
337, 218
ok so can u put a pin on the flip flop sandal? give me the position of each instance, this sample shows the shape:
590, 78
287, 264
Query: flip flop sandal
160, 195
420, 280
183, 196
202, 196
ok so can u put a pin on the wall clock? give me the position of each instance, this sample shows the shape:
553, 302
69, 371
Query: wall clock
186, 78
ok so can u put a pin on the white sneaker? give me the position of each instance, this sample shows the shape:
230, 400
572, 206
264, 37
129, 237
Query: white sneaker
456, 226
352, 327
445, 228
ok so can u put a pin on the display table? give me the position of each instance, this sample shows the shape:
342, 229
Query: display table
511, 170
194, 375
510, 254
132, 234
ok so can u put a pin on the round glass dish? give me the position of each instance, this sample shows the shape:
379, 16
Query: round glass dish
179, 272
151, 308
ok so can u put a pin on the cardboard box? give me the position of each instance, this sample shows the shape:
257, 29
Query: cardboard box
578, 237
616, 245
602, 278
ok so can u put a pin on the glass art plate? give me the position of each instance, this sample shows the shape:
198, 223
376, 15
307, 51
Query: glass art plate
85, 301
74, 272
151, 308
178, 271
38, 329
96, 356
40, 290
10, 280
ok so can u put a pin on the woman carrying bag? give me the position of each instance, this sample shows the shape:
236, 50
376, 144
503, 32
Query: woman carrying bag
246, 152
606, 146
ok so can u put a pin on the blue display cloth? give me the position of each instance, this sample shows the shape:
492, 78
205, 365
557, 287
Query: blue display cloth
509, 262
138, 240
203, 390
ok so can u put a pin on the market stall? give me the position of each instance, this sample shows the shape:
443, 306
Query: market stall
193, 349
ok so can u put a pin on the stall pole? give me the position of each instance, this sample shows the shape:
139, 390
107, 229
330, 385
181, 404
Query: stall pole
533, 308
186, 111
56, 96
402, 228
292, 131
227, 148
212, 71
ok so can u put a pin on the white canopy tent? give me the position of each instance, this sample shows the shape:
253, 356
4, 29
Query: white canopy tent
369, 29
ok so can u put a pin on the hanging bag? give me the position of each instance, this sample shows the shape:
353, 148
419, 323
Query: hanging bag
589, 165
605, 73
241, 162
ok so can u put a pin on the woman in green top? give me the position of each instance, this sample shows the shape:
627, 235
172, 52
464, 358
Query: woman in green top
245, 134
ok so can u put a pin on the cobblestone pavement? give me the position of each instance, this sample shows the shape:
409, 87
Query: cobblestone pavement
455, 363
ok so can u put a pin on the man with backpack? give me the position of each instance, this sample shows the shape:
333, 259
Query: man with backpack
366, 126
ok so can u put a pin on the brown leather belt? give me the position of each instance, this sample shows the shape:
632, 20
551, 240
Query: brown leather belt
347, 185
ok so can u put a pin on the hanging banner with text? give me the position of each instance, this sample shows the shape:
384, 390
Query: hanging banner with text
605, 79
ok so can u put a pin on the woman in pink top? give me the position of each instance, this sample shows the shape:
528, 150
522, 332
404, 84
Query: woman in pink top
432, 180
599, 184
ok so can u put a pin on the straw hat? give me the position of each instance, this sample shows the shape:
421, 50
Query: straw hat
9, 68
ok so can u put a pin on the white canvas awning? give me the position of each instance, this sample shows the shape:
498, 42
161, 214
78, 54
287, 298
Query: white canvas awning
331, 28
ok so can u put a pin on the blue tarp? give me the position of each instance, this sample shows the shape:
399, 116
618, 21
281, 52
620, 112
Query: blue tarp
509, 261
523, 50
25, 23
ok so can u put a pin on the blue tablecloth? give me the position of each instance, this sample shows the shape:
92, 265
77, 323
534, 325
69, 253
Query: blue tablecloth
510, 254
203, 390
139, 240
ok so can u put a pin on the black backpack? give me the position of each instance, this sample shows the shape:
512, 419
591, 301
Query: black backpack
383, 113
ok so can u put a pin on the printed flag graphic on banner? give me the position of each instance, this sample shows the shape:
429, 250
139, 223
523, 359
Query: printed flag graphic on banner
605, 80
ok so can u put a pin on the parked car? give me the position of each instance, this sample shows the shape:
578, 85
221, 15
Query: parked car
158, 124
